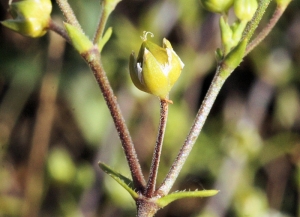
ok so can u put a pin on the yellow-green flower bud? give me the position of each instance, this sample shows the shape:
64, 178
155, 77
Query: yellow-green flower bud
245, 9
30, 17
156, 68
283, 3
217, 6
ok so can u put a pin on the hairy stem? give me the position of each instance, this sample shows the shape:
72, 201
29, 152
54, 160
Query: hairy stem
59, 30
157, 150
252, 25
261, 36
111, 101
68, 13
101, 24
200, 119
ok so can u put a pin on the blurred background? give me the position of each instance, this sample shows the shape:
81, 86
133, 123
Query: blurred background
55, 126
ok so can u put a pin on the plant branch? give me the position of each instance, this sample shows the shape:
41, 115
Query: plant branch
111, 101
262, 35
252, 25
68, 13
59, 30
101, 24
158, 147
200, 119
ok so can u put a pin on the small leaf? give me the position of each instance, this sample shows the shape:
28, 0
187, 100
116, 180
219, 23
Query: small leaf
79, 40
122, 180
104, 39
162, 202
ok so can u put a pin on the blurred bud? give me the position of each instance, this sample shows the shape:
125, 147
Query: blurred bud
245, 9
79, 40
217, 6
156, 68
231, 35
30, 17
283, 3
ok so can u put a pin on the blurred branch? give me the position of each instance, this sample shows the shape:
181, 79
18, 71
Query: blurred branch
262, 35
42, 129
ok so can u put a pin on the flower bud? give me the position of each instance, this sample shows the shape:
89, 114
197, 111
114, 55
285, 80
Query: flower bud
217, 6
30, 17
156, 68
245, 9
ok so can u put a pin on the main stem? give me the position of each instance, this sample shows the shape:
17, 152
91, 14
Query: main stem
200, 119
157, 150
111, 101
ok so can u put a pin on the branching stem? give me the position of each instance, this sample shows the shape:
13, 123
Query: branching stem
68, 13
101, 24
262, 35
111, 101
200, 119
59, 30
157, 150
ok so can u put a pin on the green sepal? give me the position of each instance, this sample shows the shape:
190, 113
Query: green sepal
237, 31
153, 76
234, 58
104, 39
126, 183
79, 40
159, 52
164, 201
226, 35
219, 54
134, 73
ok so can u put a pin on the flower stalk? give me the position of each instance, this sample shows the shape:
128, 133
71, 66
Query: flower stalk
164, 104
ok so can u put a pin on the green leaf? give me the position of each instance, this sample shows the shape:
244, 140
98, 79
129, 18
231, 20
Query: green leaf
162, 202
122, 180
79, 40
104, 39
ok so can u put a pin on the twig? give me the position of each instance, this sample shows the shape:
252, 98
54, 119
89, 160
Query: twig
68, 13
262, 35
59, 30
158, 147
111, 101
252, 25
101, 24
200, 119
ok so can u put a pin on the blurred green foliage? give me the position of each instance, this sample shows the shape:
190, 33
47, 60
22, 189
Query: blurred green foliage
249, 148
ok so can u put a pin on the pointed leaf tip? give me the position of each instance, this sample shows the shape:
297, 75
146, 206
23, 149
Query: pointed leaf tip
163, 201
126, 183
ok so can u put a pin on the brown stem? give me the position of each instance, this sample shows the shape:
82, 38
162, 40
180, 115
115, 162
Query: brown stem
111, 101
157, 151
68, 13
262, 35
200, 119
146, 207
59, 30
